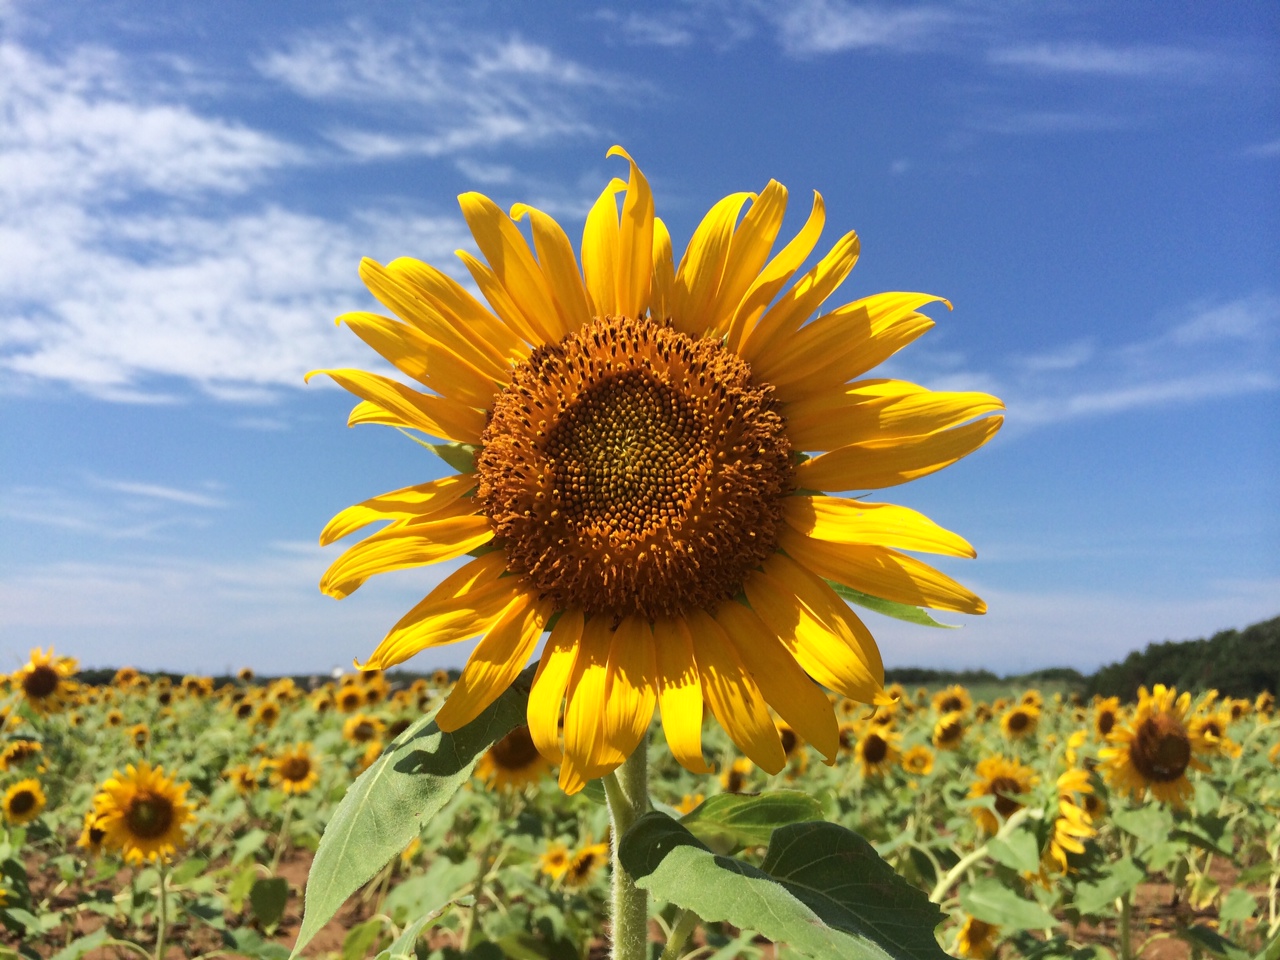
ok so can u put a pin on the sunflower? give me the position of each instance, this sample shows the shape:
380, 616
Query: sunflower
1033, 698
1265, 703
585, 864
142, 813
877, 752
1212, 730
1156, 749
23, 801
1106, 714
513, 762
245, 709
140, 734
45, 680
1073, 822
245, 674
349, 699
243, 777
555, 861
1006, 780
125, 677
918, 760
294, 770
977, 939
1020, 722
949, 731
18, 752
733, 779
362, 728
954, 699
631, 439
92, 835
440, 679
689, 803
267, 714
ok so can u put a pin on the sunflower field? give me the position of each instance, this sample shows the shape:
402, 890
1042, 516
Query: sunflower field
165, 818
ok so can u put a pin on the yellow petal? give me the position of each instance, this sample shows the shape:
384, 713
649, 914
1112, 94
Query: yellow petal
497, 659
875, 464
600, 252
776, 274
430, 363
748, 252
635, 242
549, 684
795, 306
405, 544
701, 267
421, 500
559, 266
632, 685
733, 695
784, 685
664, 272
463, 313
841, 520
437, 416
679, 693
585, 753
464, 604
817, 628
881, 572
511, 261
500, 299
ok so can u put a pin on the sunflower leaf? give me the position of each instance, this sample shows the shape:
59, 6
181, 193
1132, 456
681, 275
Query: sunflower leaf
386, 806
888, 608
731, 821
992, 902
822, 889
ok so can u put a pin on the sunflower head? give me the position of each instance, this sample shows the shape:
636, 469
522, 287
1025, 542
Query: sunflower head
634, 423
877, 752
243, 777
245, 674
977, 939
948, 732
954, 699
555, 860
125, 677
1020, 722
1156, 749
689, 802
734, 777
19, 752
45, 680
23, 801
1106, 714
918, 760
513, 762
585, 864
142, 813
91, 834
362, 728
294, 770
1005, 780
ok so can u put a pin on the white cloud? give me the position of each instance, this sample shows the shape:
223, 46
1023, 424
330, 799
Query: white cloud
1096, 59
110, 510
831, 26
437, 93
1269, 149
190, 498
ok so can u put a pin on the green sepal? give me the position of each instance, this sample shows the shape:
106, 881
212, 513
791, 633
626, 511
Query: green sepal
889, 608
460, 456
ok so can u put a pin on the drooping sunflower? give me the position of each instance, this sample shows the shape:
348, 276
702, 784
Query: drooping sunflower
513, 762
294, 770
92, 834
18, 752
1156, 749
634, 437
140, 735
1073, 824
1006, 780
977, 939
1211, 728
23, 801
1020, 722
45, 680
142, 813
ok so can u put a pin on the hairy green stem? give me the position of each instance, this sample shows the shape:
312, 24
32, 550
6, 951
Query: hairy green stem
162, 919
282, 838
686, 922
627, 789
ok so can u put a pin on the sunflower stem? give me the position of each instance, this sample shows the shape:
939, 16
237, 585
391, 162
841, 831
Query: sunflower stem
162, 918
627, 790
282, 838
686, 923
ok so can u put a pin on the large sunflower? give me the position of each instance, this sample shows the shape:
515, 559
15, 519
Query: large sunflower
142, 813
1156, 749
634, 437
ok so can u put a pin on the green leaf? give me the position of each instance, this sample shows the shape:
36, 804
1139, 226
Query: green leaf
1124, 877
1150, 822
249, 942
1204, 843
404, 946
385, 808
1212, 942
899, 611
1237, 905
267, 899
1019, 851
460, 456
360, 938
731, 821
822, 889
991, 901
188, 870
78, 948
248, 845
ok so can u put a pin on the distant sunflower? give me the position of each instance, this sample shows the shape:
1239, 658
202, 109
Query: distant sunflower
689, 803
45, 681
243, 777
1156, 749
267, 714
362, 728
92, 834
114, 718
1073, 824
918, 760
140, 735
349, 699
245, 674
1265, 703
125, 677
142, 813
555, 860
1020, 722
636, 423
733, 779
513, 762
23, 801
294, 770
1106, 714
977, 939
877, 752
585, 864
954, 699
18, 752
440, 678
1211, 729
1006, 780
948, 732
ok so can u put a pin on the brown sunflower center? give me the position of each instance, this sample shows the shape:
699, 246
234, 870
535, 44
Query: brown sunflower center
149, 815
631, 469
789, 740
950, 704
874, 748
1003, 788
950, 732
1161, 749
40, 682
1018, 721
1106, 720
515, 751
295, 768
363, 732
22, 802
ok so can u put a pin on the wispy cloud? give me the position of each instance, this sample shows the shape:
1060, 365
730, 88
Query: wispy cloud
156, 491
1269, 149
1101, 60
110, 509
830, 26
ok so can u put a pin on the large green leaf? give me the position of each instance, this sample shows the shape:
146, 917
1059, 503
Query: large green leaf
991, 901
1122, 877
731, 821
822, 889
888, 608
1019, 850
386, 807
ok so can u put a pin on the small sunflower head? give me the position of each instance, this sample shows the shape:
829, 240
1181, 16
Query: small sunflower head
948, 732
23, 801
513, 762
45, 680
294, 769
143, 813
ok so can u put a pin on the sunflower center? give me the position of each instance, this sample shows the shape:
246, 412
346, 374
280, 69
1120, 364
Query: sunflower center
1161, 749
295, 769
22, 802
40, 682
1002, 787
874, 748
950, 731
631, 469
1018, 721
363, 732
950, 704
1106, 720
789, 740
515, 751
149, 815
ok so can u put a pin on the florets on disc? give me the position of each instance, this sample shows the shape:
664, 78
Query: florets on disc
631, 469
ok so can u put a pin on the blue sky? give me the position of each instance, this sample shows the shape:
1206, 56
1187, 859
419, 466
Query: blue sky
186, 190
